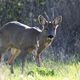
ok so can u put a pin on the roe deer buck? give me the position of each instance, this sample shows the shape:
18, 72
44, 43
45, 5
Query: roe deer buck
27, 39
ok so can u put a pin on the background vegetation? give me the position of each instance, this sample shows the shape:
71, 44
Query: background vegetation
66, 46
67, 42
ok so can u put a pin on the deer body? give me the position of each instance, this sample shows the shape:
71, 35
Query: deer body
27, 39
15, 35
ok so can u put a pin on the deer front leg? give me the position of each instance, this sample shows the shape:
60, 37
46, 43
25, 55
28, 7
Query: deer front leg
36, 57
22, 57
38, 60
23, 62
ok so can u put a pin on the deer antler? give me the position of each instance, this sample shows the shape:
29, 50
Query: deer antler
47, 16
52, 10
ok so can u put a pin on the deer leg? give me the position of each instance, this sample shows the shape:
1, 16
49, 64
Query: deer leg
11, 68
23, 64
2, 50
37, 55
0, 57
0, 60
14, 53
38, 60
23, 57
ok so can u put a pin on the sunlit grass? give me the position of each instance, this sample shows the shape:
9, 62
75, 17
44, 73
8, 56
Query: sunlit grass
54, 71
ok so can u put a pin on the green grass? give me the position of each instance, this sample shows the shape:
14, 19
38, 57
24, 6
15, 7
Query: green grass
50, 71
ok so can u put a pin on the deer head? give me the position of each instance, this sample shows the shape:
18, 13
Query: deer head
50, 27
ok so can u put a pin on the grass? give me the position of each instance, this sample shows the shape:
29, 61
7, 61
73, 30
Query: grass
52, 71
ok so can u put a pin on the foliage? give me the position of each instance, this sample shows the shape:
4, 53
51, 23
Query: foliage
42, 71
67, 41
59, 71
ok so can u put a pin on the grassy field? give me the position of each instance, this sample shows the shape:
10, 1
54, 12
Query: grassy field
52, 71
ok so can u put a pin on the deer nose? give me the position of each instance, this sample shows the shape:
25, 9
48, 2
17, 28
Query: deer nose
50, 36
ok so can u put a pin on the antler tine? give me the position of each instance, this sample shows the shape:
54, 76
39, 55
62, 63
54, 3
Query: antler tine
52, 9
46, 15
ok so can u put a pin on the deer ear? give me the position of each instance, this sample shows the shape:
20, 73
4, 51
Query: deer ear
41, 19
57, 20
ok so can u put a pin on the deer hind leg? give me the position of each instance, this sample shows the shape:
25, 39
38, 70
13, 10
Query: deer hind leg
0, 57
14, 53
1, 60
2, 50
11, 68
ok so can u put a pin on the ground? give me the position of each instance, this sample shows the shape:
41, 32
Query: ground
51, 71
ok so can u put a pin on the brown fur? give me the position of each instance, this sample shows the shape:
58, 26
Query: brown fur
24, 39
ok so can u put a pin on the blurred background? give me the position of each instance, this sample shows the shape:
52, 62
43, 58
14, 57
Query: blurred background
66, 46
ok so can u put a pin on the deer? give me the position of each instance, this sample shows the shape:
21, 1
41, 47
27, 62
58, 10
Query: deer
23, 39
